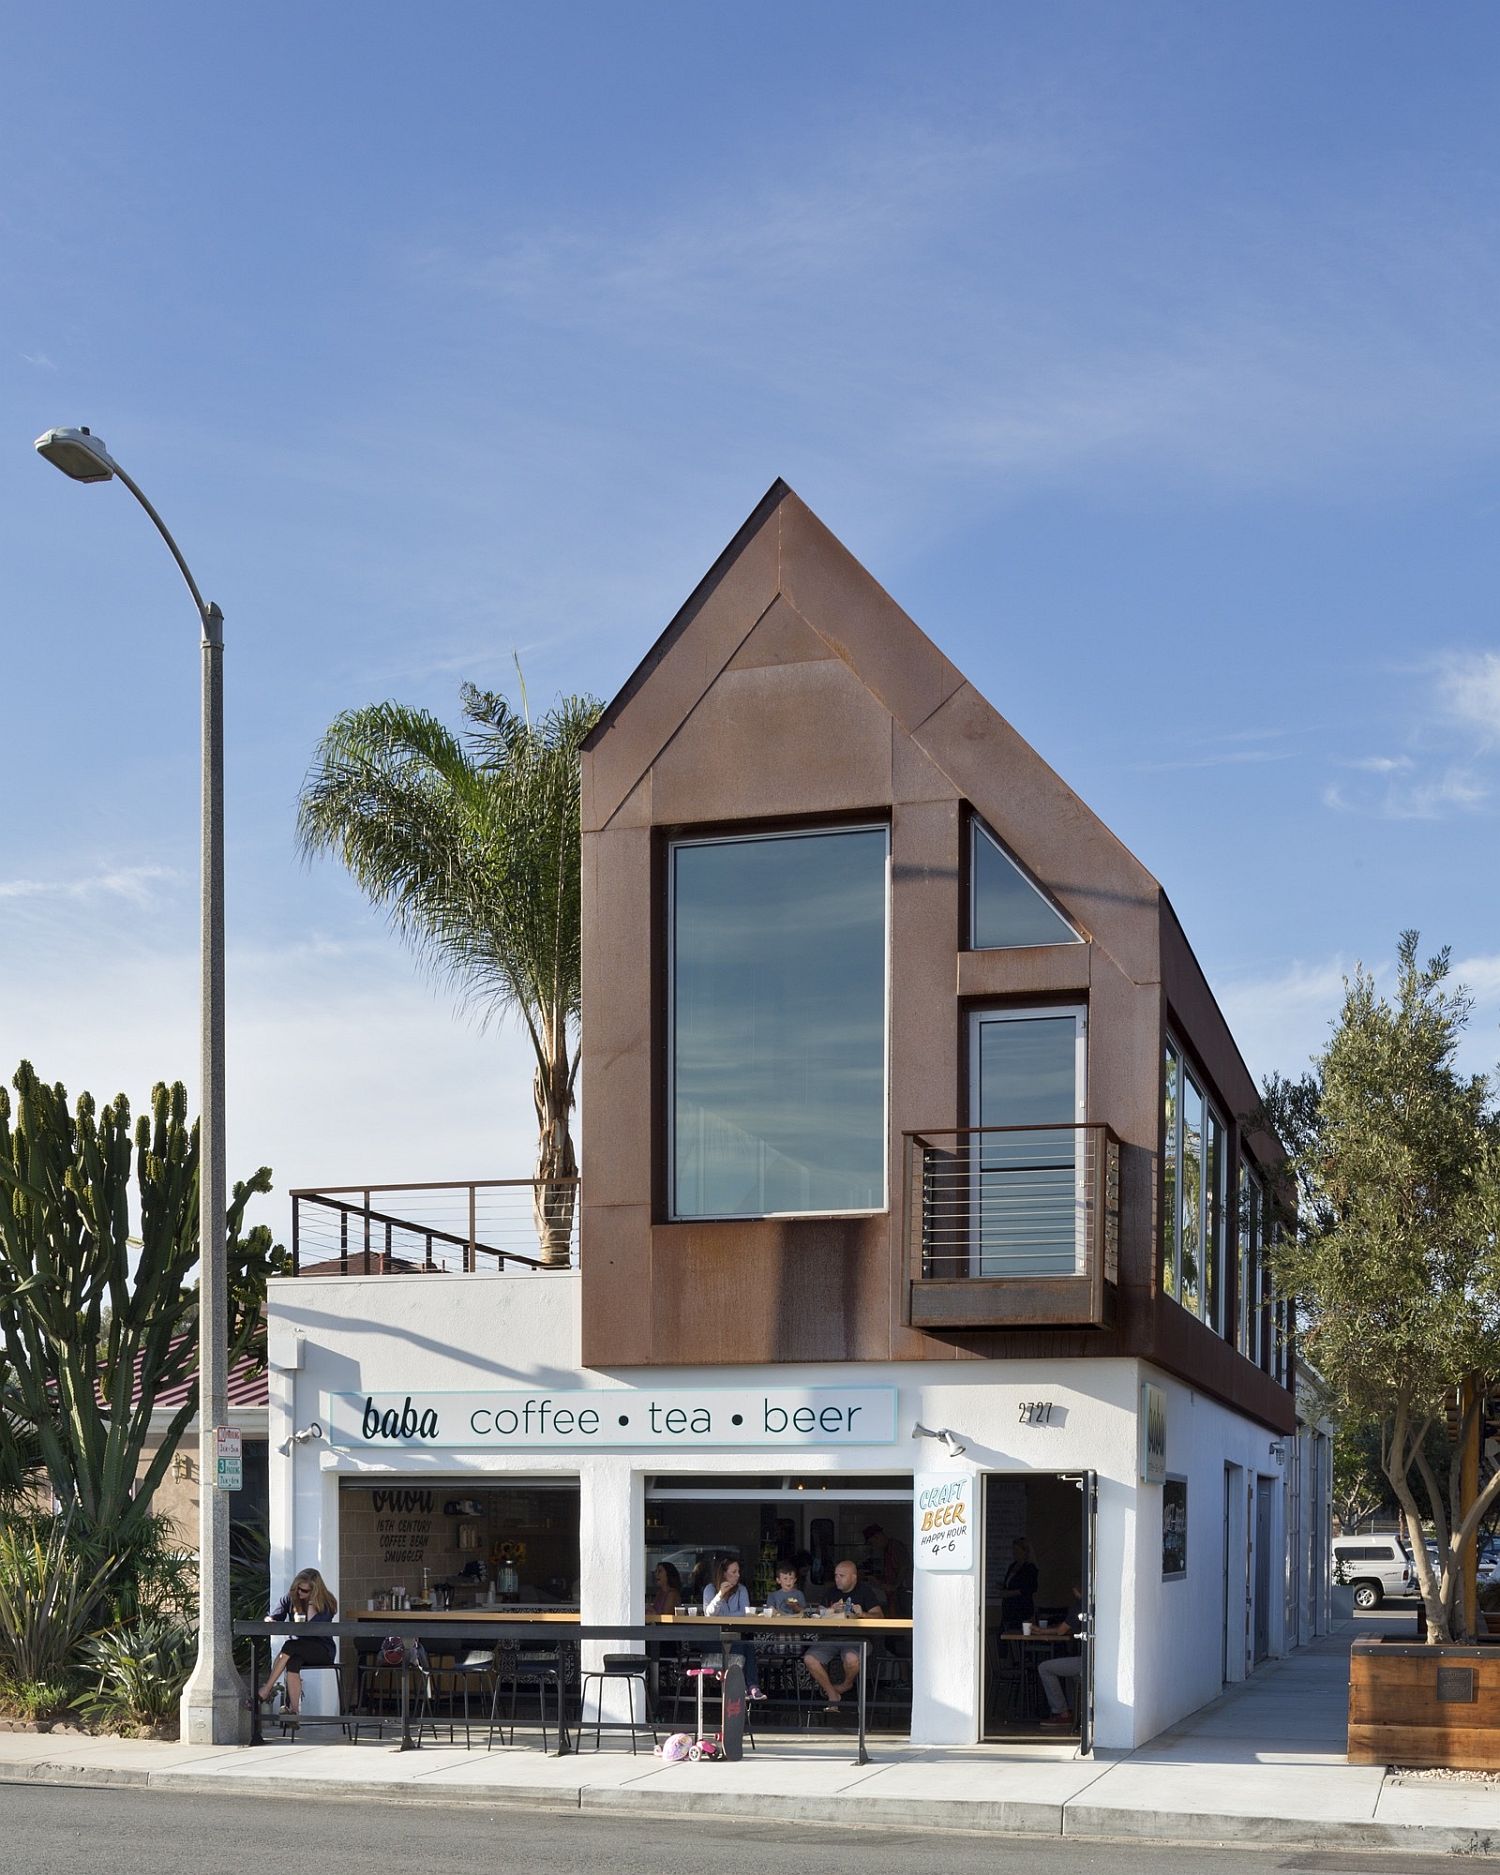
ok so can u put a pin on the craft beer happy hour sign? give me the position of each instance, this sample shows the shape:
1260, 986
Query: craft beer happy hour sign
943, 1519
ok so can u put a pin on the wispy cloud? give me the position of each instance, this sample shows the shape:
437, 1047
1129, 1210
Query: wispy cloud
1223, 758
39, 361
1379, 764
907, 289
1468, 692
136, 885
1282, 1020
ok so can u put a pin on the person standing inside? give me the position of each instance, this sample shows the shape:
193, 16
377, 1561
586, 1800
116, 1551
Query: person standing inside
307, 1602
888, 1562
1018, 1590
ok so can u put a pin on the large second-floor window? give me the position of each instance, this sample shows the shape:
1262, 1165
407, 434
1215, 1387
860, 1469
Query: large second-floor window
777, 998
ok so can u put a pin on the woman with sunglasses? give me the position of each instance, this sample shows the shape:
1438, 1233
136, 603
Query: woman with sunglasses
309, 1600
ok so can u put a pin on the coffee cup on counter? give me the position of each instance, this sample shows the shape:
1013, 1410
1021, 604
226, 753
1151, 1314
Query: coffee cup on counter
1025, 1627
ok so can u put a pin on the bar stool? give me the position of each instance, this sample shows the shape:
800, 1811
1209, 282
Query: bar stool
468, 1667
632, 1667
526, 1669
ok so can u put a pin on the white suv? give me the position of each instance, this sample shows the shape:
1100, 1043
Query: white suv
1374, 1566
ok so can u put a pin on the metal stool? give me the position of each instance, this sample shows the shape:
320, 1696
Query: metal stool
633, 1667
474, 1664
538, 1670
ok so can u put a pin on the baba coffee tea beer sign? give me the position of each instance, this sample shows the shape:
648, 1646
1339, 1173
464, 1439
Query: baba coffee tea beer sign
590, 1419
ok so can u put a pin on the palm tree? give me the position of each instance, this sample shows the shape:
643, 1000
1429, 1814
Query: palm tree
471, 843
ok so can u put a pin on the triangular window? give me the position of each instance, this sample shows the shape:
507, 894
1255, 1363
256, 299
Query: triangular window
1007, 909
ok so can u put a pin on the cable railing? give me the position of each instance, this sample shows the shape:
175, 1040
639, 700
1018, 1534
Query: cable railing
496, 1225
999, 1202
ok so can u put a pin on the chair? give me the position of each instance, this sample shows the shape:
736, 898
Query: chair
633, 1667
469, 1667
531, 1669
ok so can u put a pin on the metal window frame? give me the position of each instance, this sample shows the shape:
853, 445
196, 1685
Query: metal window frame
675, 846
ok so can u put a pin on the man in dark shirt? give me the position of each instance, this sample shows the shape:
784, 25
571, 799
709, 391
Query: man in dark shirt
851, 1595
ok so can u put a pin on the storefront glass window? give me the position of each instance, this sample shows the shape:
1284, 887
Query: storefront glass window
778, 1024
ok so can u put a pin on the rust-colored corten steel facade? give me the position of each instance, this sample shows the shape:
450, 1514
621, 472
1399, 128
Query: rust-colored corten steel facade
792, 691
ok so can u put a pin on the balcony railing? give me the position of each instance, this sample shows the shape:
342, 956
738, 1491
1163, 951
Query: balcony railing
492, 1225
1012, 1226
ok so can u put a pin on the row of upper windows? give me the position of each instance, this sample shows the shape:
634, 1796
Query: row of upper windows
778, 960
1196, 1231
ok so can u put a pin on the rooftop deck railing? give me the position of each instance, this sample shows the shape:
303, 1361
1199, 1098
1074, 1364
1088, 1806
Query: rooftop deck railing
494, 1225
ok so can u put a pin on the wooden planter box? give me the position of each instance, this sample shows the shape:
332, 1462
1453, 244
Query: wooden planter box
1423, 1705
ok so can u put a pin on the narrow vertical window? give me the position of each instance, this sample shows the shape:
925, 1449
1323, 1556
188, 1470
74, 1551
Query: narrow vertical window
1214, 1201
1171, 1149
1190, 1263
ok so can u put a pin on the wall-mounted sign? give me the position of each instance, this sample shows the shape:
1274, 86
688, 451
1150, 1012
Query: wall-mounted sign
943, 1519
588, 1419
229, 1459
1153, 1434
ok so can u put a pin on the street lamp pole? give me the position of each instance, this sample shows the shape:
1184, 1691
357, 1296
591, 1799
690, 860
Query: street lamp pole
211, 1698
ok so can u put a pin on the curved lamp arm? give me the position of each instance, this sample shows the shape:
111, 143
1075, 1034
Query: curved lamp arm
82, 455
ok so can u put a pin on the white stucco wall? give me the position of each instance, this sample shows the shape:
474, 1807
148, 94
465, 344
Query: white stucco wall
1158, 1644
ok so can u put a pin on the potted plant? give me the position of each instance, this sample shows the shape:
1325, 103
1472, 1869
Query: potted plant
1390, 1250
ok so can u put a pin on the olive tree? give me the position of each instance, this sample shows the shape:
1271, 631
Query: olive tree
1393, 1257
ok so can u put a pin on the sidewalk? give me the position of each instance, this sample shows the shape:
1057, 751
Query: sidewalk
1262, 1764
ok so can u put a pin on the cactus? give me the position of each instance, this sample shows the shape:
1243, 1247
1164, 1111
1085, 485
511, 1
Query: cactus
80, 1316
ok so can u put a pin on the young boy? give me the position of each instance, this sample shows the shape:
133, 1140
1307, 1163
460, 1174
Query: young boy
786, 1598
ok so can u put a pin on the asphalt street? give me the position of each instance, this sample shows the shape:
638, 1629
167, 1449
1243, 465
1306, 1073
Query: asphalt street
71, 1831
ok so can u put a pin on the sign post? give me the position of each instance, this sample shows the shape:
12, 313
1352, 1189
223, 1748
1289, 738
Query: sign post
229, 1459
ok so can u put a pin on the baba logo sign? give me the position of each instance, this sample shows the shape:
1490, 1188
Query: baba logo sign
581, 1419
943, 1519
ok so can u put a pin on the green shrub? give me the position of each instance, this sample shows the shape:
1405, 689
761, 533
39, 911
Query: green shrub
138, 1672
51, 1594
32, 1699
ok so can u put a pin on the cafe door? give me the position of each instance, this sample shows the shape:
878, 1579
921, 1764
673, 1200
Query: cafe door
1088, 1485
1041, 1522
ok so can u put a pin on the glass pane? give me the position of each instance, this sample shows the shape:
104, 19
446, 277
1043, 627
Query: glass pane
778, 1036
1027, 1197
1213, 1256
1008, 909
1170, 1150
1192, 1196
1252, 1276
1243, 1338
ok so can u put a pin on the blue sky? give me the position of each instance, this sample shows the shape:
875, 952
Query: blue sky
1147, 354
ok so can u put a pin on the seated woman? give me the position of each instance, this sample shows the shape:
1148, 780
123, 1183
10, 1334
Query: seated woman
726, 1595
668, 1589
1018, 1590
309, 1600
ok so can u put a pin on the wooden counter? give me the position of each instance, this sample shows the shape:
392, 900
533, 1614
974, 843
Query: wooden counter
795, 1624
560, 1617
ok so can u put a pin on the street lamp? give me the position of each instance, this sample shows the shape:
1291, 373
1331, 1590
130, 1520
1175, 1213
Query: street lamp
211, 1698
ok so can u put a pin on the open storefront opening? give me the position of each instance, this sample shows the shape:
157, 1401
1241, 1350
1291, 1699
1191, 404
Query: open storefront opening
459, 1544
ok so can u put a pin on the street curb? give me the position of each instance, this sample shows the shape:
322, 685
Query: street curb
1079, 1822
